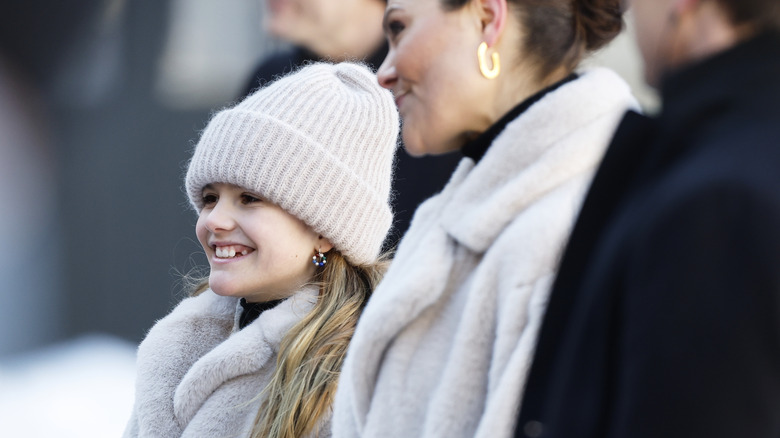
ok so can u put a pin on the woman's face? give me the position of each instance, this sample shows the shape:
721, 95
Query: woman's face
255, 249
433, 72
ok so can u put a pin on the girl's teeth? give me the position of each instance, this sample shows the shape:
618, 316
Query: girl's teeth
228, 252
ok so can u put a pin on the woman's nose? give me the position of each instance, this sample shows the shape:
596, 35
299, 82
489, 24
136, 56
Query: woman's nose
386, 75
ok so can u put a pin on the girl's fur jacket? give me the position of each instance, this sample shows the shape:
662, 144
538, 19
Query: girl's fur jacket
199, 376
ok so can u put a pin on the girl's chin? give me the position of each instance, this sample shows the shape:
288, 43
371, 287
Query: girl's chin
225, 292
230, 290
225, 289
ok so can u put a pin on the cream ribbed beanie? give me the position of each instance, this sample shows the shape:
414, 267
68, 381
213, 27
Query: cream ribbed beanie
320, 144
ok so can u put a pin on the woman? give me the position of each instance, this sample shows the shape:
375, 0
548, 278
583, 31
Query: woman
444, 345
292, 191
347, 30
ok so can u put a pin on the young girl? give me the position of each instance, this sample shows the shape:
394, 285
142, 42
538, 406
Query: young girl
292, 188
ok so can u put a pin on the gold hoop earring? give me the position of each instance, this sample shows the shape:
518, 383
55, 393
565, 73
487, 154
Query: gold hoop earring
490, 73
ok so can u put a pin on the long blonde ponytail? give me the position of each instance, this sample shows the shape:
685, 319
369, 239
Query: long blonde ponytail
304, 382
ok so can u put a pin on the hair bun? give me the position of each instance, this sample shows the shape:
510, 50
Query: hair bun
598, 21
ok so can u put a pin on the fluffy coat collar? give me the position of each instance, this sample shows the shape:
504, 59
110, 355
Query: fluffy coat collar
529, 158
245, 352
188, 355
554, 141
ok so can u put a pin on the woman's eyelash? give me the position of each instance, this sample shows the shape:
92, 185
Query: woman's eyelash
394, 27
209, 199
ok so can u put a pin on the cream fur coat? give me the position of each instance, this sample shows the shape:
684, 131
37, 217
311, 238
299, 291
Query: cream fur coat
445, 343
199, 376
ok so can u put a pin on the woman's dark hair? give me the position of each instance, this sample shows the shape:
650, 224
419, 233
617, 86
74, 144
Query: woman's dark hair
761, 14
560, 32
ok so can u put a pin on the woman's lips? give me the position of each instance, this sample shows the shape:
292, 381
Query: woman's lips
399, 99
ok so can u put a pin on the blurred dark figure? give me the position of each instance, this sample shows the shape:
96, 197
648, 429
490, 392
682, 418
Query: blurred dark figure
37, 34
29, 261
665, 318
339, 30
32, 46
115, 165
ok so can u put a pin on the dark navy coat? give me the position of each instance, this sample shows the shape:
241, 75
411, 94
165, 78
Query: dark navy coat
664, 320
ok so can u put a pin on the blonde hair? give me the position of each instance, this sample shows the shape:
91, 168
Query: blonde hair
308, 366
304, 382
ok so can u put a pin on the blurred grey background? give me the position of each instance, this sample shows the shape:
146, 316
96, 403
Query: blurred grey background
100, 104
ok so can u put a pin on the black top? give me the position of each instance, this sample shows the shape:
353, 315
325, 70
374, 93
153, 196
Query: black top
664, 318
253, 310
477, 148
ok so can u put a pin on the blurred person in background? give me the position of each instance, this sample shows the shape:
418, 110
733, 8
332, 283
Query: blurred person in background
443, 346
292, 187
29, 265
665, 318
336, 30
339, 30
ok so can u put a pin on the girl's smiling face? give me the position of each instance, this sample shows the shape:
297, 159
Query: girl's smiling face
255, 249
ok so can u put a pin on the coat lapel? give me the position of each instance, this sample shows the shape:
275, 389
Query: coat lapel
243, 352
190, 331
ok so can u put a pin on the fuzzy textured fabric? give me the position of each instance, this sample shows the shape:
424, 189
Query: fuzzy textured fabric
198, 376
320, 144
444, 345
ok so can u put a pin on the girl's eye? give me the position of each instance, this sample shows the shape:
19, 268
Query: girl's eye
209, 199
249, 199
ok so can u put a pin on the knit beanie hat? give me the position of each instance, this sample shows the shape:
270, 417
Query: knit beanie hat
320, 144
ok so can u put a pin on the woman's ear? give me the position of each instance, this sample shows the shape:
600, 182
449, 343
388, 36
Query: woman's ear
323, 244
493, 15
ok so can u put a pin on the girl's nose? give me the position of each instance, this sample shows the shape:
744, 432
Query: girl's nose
220, 218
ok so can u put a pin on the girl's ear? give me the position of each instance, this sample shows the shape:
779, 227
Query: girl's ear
323, 244
493, 15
